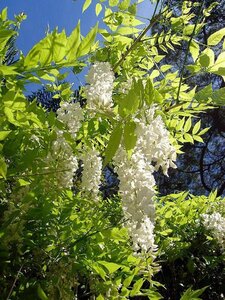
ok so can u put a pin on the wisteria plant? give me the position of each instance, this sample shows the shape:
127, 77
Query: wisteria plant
61, 236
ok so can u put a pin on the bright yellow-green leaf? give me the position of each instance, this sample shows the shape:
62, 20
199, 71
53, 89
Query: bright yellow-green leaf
87, 42
128, 280
168, 214
113, 3
218, 96
4, 14
98, 8
216, 37
111, 267
124, 4
8, 70
5, 35
4, 134
137, 286
165, 68
99, 270
113, 143
196, 127
130, 137
187, 125
194, 49
86, 4
41, 293
188, 138
207, 57
3, 168
219, 63
73, 43
58, 44
127, 30
198, 138
10, 116
23, 182
204, 94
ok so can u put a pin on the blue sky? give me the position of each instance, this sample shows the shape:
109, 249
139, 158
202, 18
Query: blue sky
64, 14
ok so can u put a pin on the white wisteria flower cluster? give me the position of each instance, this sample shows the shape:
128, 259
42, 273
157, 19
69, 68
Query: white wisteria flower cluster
92, 170
61, 157
100, 86
216, 224
152, 151
153, 141
71, 115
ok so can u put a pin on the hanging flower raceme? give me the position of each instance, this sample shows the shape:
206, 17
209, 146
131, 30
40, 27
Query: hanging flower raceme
153, 141
153, 150
216, 224
92, 171
99, 91
61, 157
71, 115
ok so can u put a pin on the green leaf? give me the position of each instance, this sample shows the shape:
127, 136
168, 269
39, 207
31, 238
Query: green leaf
4, 14
99, 270
128, 281
4, 134
87, 42
130, 137
196, 127
219, 63
216, 37
188, 29
7, 70
218, 96
5, 35
158, 98
187, 125
113, 3
98, 9
23, 182
168, 214
119, 234
111, 267
129, 104
73, 43
100, 297
190, 294
86, 4
206, 59
149, 92
10, 116
137, 286
41, 53
124, 4
3, 168
194, 49
188, 138
153, 295
113, 143
58, 46
198, 138
204, 94
133, 9
41, 293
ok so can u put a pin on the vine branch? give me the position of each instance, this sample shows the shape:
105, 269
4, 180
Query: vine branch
137, 40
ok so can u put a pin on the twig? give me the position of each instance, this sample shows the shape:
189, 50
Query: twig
187, 52
137, 40
14, 282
